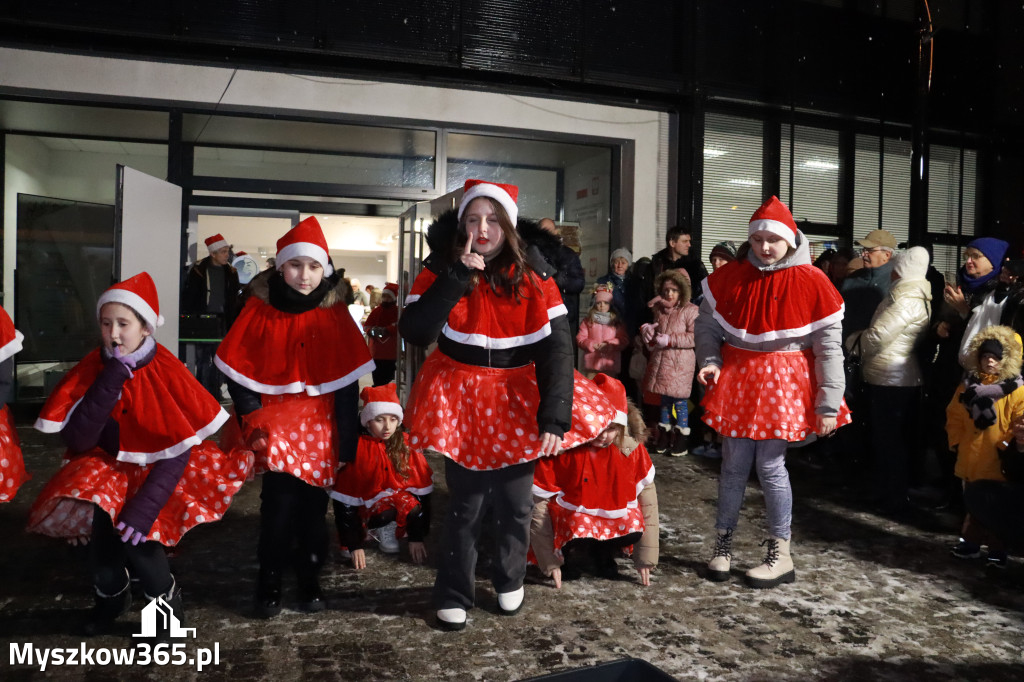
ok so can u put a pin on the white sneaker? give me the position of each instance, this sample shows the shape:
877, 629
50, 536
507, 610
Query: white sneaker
385, 537
451, 619
509, 603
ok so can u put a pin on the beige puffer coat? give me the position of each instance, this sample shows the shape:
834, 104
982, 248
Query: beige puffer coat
887, 345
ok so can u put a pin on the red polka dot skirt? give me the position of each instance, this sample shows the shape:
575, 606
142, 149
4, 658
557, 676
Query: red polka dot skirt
403, 502
486, 418
569, 524
301, 438
765, 396
12, 466
65, 506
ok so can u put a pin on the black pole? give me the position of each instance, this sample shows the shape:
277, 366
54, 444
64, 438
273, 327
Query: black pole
918, 219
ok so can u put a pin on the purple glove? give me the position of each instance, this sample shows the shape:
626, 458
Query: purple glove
127, 360
661, 340
130, 533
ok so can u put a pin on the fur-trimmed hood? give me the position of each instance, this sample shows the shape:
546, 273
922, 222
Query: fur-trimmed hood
681, 279
443, 233
1009, 366
259, 288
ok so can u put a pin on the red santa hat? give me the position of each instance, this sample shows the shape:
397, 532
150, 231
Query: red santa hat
139, 294
616, 393
506, 195
216, 242
774, 217
390, 289
239, 254
305, 239
378, 400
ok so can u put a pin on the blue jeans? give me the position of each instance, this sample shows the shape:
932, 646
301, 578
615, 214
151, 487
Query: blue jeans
738, 455
682, 411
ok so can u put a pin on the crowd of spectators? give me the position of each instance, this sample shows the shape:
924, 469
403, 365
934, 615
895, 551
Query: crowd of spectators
910, 334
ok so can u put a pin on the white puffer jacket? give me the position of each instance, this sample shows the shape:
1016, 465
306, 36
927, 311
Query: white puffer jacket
887, 346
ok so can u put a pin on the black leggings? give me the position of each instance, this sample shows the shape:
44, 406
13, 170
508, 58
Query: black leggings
596, 546
350, 525
109, 557
292, 513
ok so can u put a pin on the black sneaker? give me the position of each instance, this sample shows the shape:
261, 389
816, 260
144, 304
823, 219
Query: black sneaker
966, 550
997, 559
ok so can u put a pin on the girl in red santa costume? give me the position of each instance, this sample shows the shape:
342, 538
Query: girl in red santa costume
137, 473
600, 494
293, 359
769, 348
387, 487
498, 392
12, 466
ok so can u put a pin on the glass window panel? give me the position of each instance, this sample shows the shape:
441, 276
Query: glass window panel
732, 179
815, 164
944, 205
236, 147
894, 165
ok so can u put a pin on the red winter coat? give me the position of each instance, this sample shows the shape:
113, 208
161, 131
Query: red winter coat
670, 370
385, 315
609, 358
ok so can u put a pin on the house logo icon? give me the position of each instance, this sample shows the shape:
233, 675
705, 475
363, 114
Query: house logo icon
157, 617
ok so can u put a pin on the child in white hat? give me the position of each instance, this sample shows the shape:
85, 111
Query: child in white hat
138, 472
499, 391
293, 360
387, 488
600, 495
769, 351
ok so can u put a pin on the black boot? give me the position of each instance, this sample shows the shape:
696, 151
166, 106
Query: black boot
107, 609
662, 442
268, 593
173, 622
307, 573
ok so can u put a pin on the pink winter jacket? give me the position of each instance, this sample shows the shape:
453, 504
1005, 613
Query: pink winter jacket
670, 370
609, 357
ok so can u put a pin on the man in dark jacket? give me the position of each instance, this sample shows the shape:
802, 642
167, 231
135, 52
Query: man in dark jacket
865, 288
212, 288
569, 275
676, 256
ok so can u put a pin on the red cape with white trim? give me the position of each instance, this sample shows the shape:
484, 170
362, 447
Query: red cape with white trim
757, 306
162, 411
270, 351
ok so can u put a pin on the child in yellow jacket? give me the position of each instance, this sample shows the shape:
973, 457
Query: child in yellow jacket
979, 423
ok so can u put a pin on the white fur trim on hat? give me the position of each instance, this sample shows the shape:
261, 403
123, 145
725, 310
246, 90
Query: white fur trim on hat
304, 249
133, 301
374, 410
494, 192
775, 227
620, 418
217, 245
